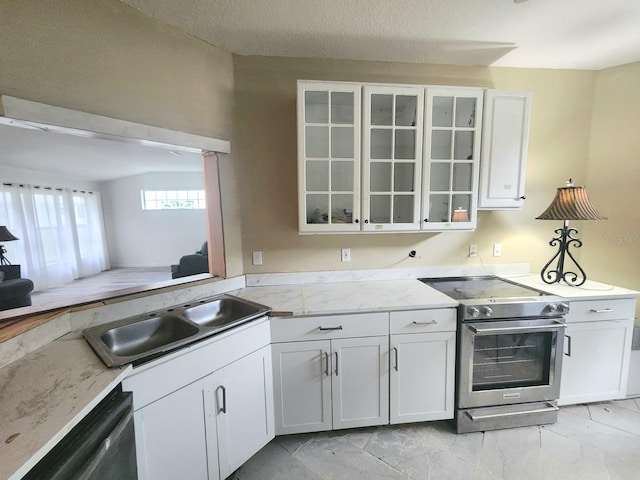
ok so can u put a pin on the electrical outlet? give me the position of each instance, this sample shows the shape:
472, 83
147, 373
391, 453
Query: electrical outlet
346, 254
497, 249
257, 258
473, 250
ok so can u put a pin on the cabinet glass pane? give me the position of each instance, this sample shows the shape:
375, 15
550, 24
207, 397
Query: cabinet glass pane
381, 109
341, 208
442, 112
380, 177
380, 208
403, 209
462, 201
317, 208
403, 177
405, 147
342, 107
465, 112
439, 208
440, 177
463, 147
381, 143
441, 144
462, 177
317, 142
342, 176
316, 107
317, 176
406, 110
342, 142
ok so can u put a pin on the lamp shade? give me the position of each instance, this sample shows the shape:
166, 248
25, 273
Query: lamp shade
6, 235
571, 203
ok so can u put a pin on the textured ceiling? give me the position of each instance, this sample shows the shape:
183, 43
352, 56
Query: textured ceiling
567, 34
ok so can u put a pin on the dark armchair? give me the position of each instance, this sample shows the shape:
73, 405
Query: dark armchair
192, 264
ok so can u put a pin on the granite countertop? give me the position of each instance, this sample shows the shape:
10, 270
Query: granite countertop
44, 395
590, 290
346, 297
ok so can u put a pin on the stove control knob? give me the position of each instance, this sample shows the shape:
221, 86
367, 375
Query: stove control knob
563, 308
486, 311
473, 312
551, 308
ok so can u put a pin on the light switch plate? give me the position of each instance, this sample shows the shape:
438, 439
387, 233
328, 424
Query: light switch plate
257, 258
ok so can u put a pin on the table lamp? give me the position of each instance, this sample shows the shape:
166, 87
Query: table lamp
5, 236
570, 203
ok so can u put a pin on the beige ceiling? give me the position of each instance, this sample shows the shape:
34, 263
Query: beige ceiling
567, 34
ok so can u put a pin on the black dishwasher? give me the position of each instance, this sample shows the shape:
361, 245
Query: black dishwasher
100, 447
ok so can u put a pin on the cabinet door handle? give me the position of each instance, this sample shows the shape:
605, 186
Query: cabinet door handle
326, 365
325, 329
223, 409
336, 363
603, 310
568, 352
431, 322
395, 353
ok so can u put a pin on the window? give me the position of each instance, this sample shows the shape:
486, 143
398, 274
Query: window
172, 199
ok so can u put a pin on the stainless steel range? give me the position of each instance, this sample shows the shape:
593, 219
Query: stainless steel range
509, 354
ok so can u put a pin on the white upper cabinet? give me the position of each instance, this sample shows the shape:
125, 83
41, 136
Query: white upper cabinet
328, 157
392, 158
407, 158
451, 158
505, 138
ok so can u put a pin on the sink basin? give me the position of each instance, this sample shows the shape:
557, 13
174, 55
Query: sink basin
146, 335
221, 312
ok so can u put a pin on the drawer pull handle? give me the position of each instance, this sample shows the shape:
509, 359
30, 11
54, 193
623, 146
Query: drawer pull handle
325, 329
430, 322
603, 310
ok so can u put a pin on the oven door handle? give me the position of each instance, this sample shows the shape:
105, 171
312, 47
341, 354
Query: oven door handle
482, 330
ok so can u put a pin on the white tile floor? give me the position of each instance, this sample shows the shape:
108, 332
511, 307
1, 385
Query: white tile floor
102, 283
599, 441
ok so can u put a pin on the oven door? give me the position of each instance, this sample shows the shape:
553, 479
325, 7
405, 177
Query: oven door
509, 361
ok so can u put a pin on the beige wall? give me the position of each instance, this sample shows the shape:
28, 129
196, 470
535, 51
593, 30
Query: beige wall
614, 175
104, 57
266, 133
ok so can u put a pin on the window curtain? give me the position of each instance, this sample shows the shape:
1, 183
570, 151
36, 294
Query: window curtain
61, 233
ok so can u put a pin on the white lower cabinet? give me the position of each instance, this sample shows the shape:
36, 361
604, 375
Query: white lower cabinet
422, 365
202, 413
171, 437
422, 376
330, 372
595, 367
330, 384
243, 409
597, 348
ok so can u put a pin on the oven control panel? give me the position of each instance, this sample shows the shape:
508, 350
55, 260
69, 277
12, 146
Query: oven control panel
513, 310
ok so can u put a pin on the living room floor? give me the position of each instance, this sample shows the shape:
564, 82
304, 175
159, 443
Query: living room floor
599, 441
110, 280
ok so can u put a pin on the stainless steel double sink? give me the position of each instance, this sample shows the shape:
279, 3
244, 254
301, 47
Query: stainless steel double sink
144, 337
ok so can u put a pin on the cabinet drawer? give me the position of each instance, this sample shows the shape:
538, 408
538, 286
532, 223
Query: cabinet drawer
292, 329
420, 321
594, 310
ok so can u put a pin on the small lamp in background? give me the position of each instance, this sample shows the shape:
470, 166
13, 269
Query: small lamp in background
460, 215
5, 236
570, 203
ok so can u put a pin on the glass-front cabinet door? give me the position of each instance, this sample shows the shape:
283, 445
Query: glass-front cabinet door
392, 158
451, 158
328, 157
